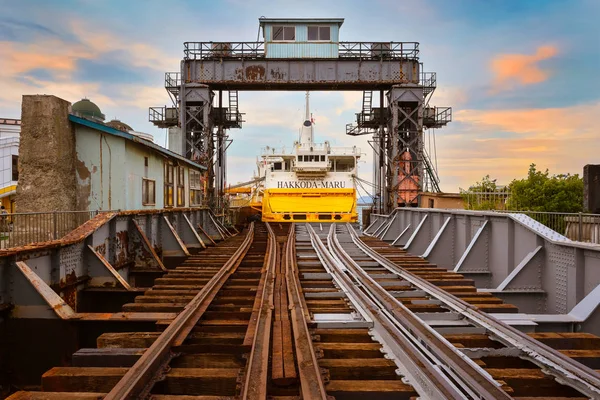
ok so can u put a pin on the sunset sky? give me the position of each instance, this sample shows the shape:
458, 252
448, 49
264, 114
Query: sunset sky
521, 75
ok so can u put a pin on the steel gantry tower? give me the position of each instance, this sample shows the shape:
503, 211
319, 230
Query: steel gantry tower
287, 59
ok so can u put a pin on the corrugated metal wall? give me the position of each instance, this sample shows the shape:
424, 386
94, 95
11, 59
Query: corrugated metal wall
302, 48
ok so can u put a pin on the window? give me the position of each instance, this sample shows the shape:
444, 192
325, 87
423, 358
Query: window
277, 166
148, 192
169, 178
431, 203
322, 158
15, 168
180, 187
195, 188
282, 33
319, 33
344, 164
146, 167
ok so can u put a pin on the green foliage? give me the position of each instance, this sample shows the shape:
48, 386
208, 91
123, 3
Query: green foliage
484, 195
542, 192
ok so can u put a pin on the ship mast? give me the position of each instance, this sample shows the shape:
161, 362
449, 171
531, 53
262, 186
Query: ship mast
307, 107
306, 133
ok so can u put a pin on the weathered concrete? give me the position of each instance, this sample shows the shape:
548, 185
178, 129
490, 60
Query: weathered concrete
591, 188
46, 156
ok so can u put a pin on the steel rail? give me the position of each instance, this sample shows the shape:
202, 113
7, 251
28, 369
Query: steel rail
138, 380
426, 377
311, 381
255, 383
552, 362
468, 375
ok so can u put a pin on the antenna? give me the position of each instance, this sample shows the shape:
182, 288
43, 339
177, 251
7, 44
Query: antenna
307, 107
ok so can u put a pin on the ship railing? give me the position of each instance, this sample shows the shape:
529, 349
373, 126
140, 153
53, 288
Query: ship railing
313, 146
345, 151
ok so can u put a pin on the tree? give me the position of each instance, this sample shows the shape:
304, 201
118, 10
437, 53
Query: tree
484, 195
542, 192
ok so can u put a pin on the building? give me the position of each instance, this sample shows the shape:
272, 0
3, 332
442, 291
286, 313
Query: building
442, 200
301, 37
10, 130
88, 165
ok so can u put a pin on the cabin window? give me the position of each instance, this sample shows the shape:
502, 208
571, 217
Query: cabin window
180, 187
317, 33
148, 192
195, 188
169, 181
431, 203
322, 158
277, 166
283, 33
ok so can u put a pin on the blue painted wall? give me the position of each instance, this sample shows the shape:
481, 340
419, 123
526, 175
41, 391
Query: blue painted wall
301, 47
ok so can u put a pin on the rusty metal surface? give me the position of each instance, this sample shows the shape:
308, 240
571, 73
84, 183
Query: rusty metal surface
142, 375
58, 305
311, 381
110, 269
126, 316
255, 385
75, 236
146, 251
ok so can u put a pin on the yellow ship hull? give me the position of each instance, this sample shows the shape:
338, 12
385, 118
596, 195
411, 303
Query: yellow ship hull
309, 205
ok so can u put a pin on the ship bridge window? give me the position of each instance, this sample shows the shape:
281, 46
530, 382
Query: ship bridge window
344, 164
277, 166
283, 33
322, 158
319, 33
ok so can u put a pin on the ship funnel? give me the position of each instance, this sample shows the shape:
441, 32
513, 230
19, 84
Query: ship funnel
306, 132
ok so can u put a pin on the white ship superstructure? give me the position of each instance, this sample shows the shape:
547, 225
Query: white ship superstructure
311, 182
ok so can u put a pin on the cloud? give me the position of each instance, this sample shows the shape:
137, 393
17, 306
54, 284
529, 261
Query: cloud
351, 101
575, 121
512, 69
50, 54
503, 143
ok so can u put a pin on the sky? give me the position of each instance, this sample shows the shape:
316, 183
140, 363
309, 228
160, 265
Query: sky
520, 75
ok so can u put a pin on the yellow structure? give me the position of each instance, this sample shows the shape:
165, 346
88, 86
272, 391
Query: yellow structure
310, 205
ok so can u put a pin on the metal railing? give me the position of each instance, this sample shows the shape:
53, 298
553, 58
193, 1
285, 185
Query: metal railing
21, 229
379, 50
212, 50
580, 227
250, 50
172, 80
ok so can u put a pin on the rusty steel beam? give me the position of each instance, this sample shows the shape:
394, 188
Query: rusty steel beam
255, 384
311, 381
139, 379
301, 74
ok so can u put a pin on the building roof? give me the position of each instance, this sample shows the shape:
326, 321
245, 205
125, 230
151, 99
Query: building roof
338, 21
87, 108
122, 126
128, 136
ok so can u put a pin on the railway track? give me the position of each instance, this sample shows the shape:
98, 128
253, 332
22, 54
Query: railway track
314, 311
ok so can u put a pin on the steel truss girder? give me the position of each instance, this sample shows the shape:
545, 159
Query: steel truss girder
553, 280
405, 146
301, 74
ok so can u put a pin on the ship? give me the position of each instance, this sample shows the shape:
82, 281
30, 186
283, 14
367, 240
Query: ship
311, 182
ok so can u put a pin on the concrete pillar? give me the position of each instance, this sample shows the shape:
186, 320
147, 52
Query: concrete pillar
591, 188
47, 156
176, 140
